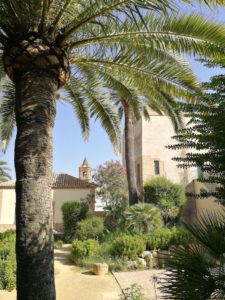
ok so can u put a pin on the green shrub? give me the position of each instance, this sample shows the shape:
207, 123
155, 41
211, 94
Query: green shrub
165, 237
90, 229
8, 235
58, 244
114, 218
169, 197
115, 264
73, 212
7, 260
135, 292
142, 218
83, 249
128, 246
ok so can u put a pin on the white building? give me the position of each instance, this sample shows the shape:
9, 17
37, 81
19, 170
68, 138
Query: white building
64, 188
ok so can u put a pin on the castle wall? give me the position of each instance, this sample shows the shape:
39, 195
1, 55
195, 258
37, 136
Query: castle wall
151, 138
156, 135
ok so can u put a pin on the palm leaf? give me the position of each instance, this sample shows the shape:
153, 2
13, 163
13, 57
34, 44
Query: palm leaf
196, 271
7, 113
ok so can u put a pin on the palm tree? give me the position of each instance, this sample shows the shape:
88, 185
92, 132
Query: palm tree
161, 76
162, 103
197, 271
49, 45
142, 218
4, 171
133, 108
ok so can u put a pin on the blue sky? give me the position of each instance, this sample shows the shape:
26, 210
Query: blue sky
69, 147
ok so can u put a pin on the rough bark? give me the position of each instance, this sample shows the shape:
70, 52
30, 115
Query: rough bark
129, 153
35, 115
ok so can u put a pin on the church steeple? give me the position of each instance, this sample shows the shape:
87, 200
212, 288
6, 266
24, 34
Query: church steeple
85, 171
85, 162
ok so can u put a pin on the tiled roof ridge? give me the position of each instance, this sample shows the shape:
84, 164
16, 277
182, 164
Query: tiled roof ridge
59, 179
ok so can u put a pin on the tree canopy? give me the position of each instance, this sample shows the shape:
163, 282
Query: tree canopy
108, 45
204, 138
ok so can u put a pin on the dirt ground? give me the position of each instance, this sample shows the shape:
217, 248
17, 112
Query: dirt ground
73, 283
149, 280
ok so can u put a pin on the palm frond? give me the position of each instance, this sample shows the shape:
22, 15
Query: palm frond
75, 97
209, 231
4, 171
190, 276
7, 114
196, 271
99, 11
2, 70
59, 16
97, 103
166, 78
193, 34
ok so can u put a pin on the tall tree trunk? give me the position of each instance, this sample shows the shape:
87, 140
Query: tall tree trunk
35, 115
129, 153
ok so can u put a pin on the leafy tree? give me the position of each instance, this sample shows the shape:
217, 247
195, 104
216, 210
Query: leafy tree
45, 43
112, 185
204, 138
169, 197
196, 271
4, 171
114, 218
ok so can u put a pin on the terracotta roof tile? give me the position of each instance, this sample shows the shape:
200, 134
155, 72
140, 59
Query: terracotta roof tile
59, 180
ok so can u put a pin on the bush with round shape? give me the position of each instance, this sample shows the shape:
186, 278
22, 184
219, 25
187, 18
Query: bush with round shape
168, 196
90, 229
128, 246
164, 238
82, 249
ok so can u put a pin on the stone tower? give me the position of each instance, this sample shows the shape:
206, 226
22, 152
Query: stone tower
85, 171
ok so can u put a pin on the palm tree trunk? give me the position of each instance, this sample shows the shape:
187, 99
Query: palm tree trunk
129, 153
35, 115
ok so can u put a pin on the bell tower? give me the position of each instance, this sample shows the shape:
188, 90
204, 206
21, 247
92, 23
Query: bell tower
85, 171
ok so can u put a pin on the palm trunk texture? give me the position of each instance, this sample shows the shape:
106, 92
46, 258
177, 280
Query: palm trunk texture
129, 153
35, 115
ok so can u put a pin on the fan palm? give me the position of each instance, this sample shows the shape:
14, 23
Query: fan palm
197, 271
45, 43
142, 218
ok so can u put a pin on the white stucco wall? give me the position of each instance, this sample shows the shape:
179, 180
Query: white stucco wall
7, 207
60, 196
